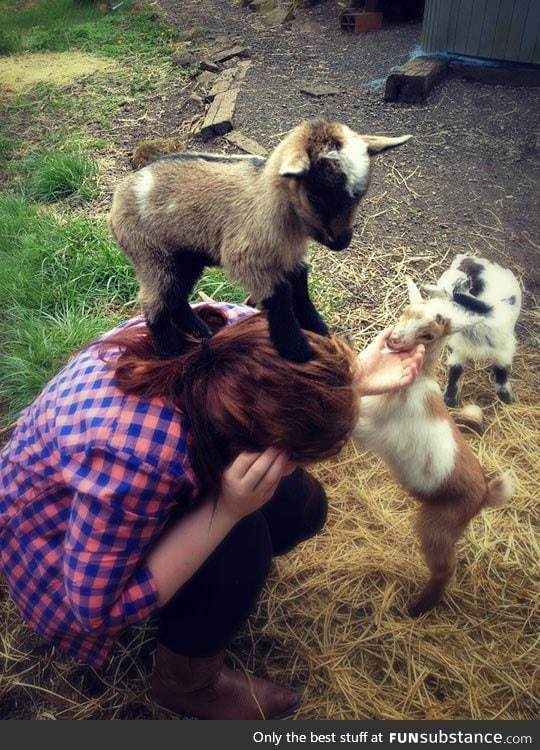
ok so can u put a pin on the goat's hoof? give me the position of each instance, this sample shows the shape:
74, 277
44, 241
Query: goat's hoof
415, 610
424, 603
300, 353
505, 397
450, 401
317, 325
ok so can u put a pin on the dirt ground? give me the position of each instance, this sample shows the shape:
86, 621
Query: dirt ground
468, 180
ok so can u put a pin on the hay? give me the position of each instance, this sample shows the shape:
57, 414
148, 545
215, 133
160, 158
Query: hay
20, 72
333, 622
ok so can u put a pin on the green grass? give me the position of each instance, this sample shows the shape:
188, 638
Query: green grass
64, 281
53, 177
59, 25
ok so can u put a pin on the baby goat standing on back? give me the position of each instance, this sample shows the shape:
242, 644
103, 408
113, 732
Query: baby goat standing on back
251, 216
412, 430
494, 293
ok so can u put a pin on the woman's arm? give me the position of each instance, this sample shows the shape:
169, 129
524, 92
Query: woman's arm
248, 483
382, 370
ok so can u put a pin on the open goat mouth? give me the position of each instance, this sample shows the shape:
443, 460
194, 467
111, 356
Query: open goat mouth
393, 346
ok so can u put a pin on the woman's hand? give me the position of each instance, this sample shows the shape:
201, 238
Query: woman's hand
251, 480
381, 370
248, 483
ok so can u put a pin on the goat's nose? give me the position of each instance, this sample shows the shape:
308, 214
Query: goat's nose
394, 340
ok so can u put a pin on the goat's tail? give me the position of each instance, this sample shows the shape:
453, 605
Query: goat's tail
500, 489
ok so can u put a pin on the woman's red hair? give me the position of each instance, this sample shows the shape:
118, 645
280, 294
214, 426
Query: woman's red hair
239, 394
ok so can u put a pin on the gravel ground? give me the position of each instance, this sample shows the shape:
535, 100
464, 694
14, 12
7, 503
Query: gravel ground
467, 181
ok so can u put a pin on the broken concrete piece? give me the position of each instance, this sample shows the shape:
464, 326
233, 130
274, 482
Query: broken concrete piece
205, 80
245, 143
237, 51
279, 16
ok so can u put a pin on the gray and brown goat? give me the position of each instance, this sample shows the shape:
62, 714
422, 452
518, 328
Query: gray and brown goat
249, 215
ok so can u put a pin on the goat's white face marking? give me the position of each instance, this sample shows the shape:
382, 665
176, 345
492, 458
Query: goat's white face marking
421, 322
354, 160
143, 187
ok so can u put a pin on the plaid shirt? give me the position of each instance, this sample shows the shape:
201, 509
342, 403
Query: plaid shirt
88, 481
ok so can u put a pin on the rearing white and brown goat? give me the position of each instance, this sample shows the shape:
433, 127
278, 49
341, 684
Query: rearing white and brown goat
412, 431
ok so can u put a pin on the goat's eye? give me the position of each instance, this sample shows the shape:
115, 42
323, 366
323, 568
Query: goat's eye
439, 319
315, 200
428, 336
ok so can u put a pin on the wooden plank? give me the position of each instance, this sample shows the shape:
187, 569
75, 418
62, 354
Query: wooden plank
229, 78
413, 81
219, 118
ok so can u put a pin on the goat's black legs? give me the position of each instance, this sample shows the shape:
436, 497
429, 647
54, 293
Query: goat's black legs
450, 394
175, 317
285, 330
304, 309
289, 310
502, 387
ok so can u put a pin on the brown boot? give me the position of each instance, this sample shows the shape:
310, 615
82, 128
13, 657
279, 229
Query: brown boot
207, 689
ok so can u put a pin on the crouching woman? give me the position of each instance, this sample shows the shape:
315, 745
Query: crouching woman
136, 487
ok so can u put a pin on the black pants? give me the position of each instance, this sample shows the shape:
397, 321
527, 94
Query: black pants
207, 612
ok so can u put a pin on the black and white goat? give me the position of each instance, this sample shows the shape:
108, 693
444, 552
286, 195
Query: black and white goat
493, 292
412, 431
250, 215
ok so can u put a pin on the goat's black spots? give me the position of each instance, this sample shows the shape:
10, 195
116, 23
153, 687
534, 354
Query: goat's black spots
326, 186
326, 191
451, 393
474, 271
471, 303
511, 300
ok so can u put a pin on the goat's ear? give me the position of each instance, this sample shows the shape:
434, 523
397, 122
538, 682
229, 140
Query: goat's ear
377, 143
414, 292
295, 165
432, 290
